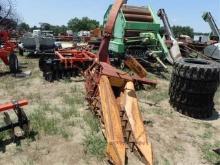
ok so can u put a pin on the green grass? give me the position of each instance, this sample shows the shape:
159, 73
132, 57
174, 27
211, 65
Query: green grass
157, 97
41, 123
94, 141
95, 145
3, 136
92, 122
69, 112
74, 99
208, 134
209, 154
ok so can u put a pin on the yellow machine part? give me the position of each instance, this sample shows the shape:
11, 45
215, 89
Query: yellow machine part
136, 123
123, 123
112, 122
135, 66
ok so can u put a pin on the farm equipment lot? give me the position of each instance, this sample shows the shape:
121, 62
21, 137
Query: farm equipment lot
65, 131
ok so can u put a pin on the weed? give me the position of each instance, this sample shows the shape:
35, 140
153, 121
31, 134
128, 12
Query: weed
40, 122
157, 97
71, 123
64, 133
29, 162
179, 149
207, 125
67, 113
165, 161
94, 142
209, 154
95, 145
92, 122
207, 134
34, 97
3, 136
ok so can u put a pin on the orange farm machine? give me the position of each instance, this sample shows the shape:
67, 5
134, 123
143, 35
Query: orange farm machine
9, 58
7, 54
65, 63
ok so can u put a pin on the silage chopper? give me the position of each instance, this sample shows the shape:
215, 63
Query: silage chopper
111, 97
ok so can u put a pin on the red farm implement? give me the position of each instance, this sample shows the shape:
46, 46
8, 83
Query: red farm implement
22, 120
7, 54
65, 63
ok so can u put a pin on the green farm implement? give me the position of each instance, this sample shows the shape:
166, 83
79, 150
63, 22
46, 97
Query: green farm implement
137, 34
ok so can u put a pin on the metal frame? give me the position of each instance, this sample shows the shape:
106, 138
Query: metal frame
111, 96
65, 63
22, 121
7, 47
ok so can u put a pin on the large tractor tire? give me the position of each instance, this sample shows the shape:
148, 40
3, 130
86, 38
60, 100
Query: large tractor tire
193, 86
13, 64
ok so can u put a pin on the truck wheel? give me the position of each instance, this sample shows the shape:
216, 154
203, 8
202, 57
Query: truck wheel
193, 86
13, 63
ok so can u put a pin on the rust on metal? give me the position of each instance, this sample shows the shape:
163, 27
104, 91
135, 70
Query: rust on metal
136, 123
135, 66
112, 121
103, 49
111, 97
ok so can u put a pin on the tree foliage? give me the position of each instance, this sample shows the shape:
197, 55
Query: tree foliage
83, 24
23, 27
55, 28
183, 30
74, 24
8, 16
58, 29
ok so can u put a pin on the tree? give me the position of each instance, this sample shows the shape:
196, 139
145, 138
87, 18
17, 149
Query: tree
8, 15
45, 26
23, 27
84, 24
183, 30
58, 29
34, 28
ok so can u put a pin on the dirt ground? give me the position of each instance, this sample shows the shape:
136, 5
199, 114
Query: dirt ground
64, 132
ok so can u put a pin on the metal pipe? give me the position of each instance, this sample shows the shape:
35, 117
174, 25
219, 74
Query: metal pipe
8, 106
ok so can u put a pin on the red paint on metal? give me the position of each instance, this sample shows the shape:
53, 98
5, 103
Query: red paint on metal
7, 47
71, 56
103, 49
9, 106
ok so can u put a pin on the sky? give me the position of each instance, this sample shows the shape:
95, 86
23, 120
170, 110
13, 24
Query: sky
58, 12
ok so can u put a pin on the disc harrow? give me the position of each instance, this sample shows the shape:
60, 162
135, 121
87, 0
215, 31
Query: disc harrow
65, 63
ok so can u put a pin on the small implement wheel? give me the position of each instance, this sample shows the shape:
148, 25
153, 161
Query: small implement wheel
13, 63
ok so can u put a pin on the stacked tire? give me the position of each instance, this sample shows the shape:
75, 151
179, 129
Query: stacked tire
194, 83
